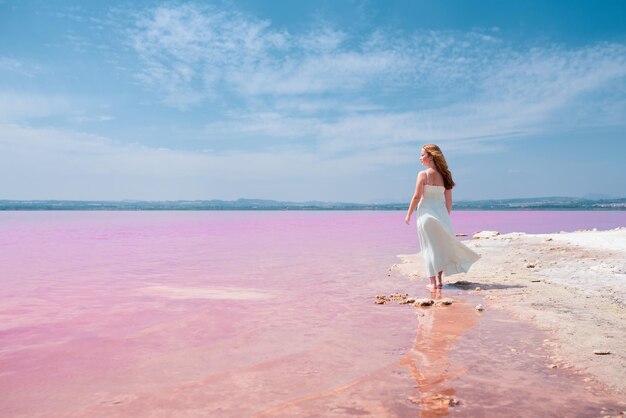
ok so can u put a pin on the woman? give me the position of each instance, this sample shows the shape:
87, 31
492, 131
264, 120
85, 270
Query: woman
442, 252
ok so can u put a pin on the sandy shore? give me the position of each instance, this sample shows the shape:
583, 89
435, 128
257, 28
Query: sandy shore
572, 285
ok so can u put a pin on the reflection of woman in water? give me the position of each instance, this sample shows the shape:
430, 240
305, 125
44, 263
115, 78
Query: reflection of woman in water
437, 332
442, 252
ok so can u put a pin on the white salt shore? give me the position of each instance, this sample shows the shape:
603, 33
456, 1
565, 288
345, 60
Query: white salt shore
571, 284
612, 240
599, 268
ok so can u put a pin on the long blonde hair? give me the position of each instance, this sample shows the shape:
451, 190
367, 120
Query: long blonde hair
441, 164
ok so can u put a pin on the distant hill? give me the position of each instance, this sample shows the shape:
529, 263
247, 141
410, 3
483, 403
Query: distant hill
539, 203
544, 203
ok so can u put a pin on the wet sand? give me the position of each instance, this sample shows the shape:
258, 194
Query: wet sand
571, 286
466, 363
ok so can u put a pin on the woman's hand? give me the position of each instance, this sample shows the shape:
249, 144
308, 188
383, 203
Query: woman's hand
407, 220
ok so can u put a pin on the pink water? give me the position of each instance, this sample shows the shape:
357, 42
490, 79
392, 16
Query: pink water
244, 313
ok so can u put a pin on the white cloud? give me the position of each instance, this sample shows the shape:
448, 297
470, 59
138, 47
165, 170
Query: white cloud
326, 109
186, 49
26, 107
19, 67
381, 88
15, 106
81, 118
61, 164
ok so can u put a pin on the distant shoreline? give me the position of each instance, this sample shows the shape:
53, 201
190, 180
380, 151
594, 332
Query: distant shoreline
535, 204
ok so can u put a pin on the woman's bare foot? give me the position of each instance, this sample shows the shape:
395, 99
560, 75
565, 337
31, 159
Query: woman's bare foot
433, 283
439, 283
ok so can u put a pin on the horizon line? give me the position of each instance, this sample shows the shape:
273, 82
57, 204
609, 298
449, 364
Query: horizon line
389, 202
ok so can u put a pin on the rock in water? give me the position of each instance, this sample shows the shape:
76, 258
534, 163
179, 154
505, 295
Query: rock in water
444, 400
381, 299
407, 301
485, 234
479, 307
444, 301
423, 302
601, 352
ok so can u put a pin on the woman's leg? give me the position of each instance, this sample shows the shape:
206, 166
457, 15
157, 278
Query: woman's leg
433, 283
439, 283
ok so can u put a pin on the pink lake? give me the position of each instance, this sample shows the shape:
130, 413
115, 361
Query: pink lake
259, 314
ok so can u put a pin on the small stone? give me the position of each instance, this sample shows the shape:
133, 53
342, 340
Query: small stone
444, 301
381, 299
552, 366
444, 400
535, 280
479, 307
477, 289
530, 266
601, 352
548, 239
423, 302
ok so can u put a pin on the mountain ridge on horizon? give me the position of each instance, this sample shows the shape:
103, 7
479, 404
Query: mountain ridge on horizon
539, 203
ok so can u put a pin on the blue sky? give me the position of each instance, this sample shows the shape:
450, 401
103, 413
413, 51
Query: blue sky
311, 100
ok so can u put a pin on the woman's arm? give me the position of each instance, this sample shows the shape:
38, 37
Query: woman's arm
419, 189
448, 195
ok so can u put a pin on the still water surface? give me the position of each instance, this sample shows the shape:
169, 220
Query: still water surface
259, 313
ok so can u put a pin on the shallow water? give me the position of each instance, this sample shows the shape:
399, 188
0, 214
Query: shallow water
244, 313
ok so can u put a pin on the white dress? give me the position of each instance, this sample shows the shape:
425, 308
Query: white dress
440, 248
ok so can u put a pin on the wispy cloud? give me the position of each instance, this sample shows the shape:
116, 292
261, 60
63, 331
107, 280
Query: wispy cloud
320, 106
423, 86
21, 106
188, 50
95, 167
18, 66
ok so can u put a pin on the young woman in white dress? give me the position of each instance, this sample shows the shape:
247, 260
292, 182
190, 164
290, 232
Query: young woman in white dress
442, 252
